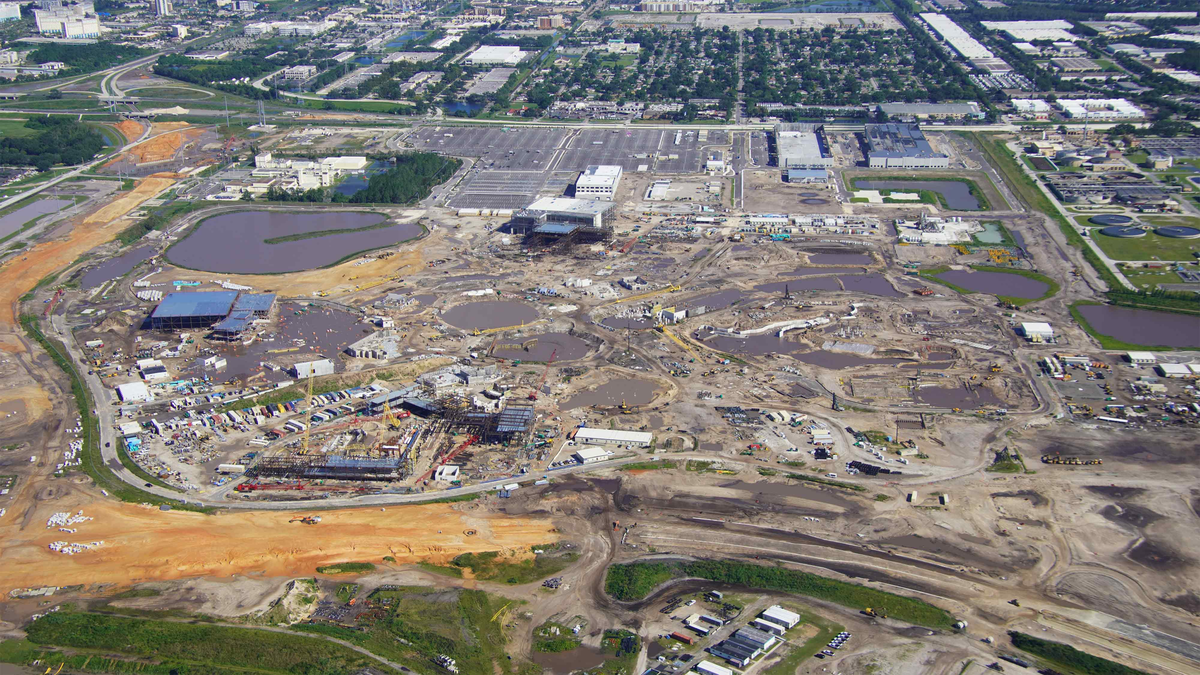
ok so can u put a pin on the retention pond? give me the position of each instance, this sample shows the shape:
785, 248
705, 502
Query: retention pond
489, 314
957, 195
996, 283
614, 392
266, 242
1143, 326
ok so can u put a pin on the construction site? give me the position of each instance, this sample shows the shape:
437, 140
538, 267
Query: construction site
893, 394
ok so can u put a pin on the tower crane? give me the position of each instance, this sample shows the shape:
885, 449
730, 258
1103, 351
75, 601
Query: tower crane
533, 395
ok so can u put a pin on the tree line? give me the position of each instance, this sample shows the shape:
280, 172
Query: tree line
59, 140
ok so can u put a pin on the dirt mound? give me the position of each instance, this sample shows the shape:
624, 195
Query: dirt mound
130, 129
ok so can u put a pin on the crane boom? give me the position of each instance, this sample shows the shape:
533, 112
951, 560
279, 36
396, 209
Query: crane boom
542, 380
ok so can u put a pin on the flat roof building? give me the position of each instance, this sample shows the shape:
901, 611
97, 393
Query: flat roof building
496, 55
933, 110
781, 616
640, 439
959, 39
1037, 331
1100, 109
562, 220
133, 391
706, 668
599, 181
1174, 370
591, 455
315, 368
198, 309
802, 146
901, 146
1141, 358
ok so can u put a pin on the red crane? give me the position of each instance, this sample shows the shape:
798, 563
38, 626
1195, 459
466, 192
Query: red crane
533, 394
471, 440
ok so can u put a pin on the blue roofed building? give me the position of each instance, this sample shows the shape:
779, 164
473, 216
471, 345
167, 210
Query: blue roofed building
199, 309
228, 312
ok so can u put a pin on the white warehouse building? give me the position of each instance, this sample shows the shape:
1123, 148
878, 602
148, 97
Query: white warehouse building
598, 182
589, 436
496, 55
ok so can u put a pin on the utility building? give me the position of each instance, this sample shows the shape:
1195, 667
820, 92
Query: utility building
901, 146
802, 146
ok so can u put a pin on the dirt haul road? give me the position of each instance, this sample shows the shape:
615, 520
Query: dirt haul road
145, 544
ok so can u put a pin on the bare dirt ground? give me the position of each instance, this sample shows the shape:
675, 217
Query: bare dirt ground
131, 129
145, 544
94, 229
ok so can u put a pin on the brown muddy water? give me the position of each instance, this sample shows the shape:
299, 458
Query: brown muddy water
873, 284
614, 392
325, 331
797, 285
235, 243
489, 314
840, 259
117, 267
1143, 326
840, 360
957, 397
996, 283
813, 271
716, 301
623, 323
563, 663
564, 348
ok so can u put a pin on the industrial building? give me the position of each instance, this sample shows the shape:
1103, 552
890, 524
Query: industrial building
10, 11
901, 146
202, 309
1100, 109
453, 412
637, 439
807, 176
1037, 331
598, 182
802, 146
496, 55
133, 391
591, 455
961, 41
933, 110
706, 668
778, 615
314, 368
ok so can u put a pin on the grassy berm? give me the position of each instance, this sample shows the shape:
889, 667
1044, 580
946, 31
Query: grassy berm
634, 581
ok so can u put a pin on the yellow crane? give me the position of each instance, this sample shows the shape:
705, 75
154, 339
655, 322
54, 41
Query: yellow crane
641, 296
489, 331
308, 410
666, 331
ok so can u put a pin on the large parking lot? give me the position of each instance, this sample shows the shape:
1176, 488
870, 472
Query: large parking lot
517, 164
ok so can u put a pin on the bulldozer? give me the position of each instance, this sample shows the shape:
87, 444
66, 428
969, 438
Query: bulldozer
307, 520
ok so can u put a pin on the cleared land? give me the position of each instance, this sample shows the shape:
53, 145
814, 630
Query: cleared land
144, 544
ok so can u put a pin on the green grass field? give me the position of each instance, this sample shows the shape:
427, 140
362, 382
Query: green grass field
112, 644
1151, 246
14, 129
493, 566
1148, 279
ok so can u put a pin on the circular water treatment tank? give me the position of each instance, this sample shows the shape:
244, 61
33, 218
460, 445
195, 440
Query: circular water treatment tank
1123, 232
1178, 232
1111, 219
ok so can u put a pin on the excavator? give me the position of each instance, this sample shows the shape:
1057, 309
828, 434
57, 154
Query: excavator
307, 520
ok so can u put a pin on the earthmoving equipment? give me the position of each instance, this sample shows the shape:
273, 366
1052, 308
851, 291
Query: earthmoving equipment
1015, 602
616, 525
995, 367
533, 395
871, 612
307, 520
